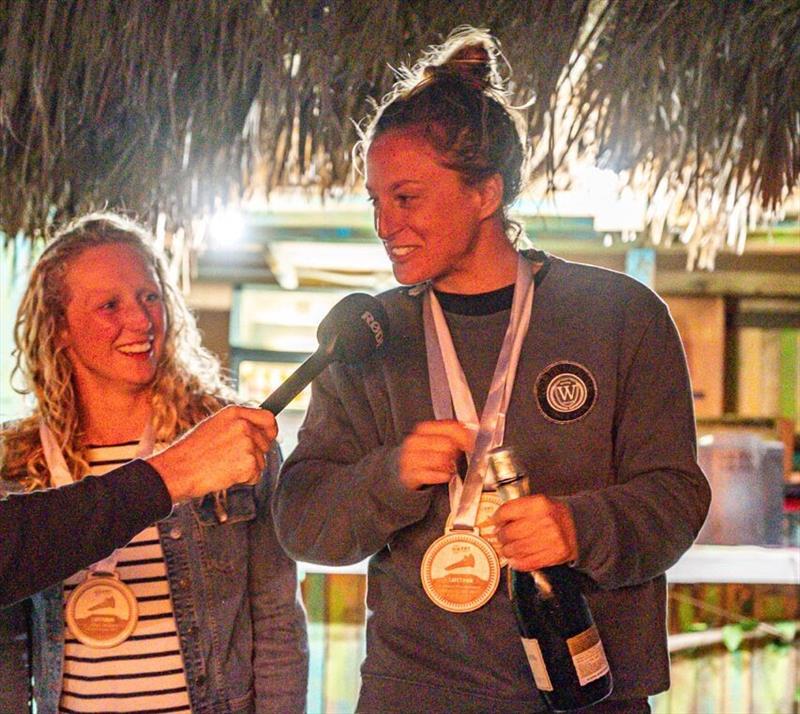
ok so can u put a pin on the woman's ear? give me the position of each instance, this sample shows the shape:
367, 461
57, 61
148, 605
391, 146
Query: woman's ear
491, 190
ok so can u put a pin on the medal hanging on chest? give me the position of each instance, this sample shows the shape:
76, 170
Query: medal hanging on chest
460, 570
102, 611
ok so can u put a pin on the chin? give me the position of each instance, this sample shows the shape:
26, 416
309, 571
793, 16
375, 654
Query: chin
407, 275
142, 379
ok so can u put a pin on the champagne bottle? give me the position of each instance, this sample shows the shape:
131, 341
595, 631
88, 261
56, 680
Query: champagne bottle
558, 633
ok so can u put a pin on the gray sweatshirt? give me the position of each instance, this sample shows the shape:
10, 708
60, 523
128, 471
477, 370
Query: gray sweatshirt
620, 451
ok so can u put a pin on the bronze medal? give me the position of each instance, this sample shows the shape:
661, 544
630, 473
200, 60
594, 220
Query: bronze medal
490, 502
460, 571
102, 611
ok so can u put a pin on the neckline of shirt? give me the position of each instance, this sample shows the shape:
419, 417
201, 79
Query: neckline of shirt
487, 303
478, 303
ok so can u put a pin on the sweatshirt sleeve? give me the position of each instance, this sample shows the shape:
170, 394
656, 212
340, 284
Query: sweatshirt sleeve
38, 527
339, 498
637, 528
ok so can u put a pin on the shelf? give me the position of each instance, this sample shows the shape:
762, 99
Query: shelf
701, 564
737, 564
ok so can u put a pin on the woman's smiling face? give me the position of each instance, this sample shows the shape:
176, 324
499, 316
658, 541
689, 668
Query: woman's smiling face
114, 319
427, 217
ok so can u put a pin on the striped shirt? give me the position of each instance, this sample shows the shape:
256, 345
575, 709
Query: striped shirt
145, 673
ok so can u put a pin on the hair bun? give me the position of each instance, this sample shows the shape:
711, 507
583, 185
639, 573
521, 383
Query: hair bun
469, 54
473, 60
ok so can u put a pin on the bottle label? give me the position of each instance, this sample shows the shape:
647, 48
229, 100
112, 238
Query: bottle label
536, 662
588, 655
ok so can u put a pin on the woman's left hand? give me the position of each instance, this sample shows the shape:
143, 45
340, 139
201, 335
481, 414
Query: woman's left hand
535, 532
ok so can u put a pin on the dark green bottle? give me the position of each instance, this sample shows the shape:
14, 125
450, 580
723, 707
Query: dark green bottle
558, 633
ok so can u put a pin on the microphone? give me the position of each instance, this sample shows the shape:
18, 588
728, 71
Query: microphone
355, 327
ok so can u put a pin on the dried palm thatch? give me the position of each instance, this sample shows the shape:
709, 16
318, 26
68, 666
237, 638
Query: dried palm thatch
703, 99
139, 104
174, 107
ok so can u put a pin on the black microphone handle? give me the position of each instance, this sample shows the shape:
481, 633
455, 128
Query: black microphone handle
297, 381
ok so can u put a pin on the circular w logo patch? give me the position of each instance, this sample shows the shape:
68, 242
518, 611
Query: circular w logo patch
565, 391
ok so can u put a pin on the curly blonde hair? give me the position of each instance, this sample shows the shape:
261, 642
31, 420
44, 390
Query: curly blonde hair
188, 384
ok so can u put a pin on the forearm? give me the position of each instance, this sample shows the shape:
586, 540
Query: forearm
339, 498
40, 527
632, 532
333, 513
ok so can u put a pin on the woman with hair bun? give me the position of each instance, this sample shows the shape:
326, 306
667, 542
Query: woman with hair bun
578, 369
199, 612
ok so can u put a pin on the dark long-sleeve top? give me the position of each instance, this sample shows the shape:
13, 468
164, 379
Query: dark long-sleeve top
38, 543
624, 463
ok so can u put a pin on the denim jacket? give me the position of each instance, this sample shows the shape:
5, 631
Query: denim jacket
234, 592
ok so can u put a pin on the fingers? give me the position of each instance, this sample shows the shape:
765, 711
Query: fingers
227, 448
439, 453
261, 442
244, 464
518, 529
428, 455
259, 460
546, 558
454, 431
535, 532
429, 477
260, 419
533, 507
258, 429
537, 551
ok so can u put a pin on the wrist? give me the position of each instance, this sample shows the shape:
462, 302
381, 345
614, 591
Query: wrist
172, 481
569, 534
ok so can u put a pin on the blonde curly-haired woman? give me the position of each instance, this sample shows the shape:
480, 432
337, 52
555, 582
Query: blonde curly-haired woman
199, 612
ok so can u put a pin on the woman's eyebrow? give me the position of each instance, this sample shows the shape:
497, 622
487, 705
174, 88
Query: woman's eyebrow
396, 184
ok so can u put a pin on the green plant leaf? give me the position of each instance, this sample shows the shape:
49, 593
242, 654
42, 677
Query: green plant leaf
788, 630
732, 636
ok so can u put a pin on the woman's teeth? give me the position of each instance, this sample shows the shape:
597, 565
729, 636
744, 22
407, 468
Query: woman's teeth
400, 251
137, 348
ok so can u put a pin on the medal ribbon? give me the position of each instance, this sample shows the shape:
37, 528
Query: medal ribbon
445, 368
61, 476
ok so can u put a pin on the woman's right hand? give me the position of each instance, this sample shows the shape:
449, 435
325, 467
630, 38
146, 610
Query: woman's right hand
429, 454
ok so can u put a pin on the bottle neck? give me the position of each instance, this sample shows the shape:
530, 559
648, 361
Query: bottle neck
512, 487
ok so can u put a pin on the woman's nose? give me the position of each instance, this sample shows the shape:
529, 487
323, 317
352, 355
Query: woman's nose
386, 223
138, 317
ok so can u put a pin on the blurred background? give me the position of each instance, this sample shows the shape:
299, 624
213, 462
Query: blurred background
666, 145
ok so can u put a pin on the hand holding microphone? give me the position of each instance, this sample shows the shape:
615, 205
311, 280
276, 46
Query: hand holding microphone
355, 327
190, 467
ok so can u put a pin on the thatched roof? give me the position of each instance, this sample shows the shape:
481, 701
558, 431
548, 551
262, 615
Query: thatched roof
173, 107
